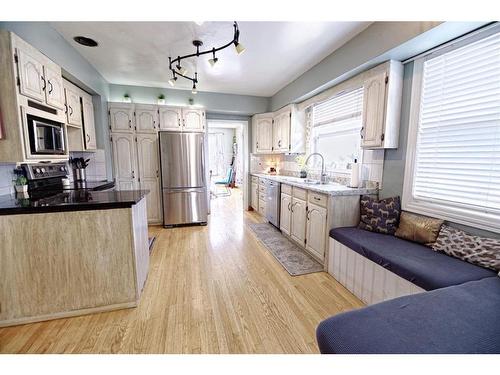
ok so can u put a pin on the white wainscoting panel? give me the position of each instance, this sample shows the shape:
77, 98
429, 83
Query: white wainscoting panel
365, 279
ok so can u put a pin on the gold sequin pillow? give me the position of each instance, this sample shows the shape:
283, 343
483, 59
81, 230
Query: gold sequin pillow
418, 228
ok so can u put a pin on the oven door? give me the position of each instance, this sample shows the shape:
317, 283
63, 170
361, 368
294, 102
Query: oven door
46, 136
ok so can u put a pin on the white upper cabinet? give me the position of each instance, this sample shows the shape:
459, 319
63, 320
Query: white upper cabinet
54, 90
146, 118
73, 105
170, 118
382, 106
281, 132
193, 120
121, 118
31, 80
89, 123
262, 128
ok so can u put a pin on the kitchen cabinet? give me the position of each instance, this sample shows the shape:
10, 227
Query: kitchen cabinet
124, 160
153, 199
316, 230
89, 123
54, 91
31, 79
286, 213
73, 105
281, 132
148, 155
254, 201
146, 118
170, 118
193, 120
121, 118
382, 93
262, 129
298, 223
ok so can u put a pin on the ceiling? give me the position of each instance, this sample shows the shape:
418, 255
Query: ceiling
136, 53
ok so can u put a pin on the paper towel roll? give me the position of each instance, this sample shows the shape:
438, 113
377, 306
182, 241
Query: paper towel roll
354, 174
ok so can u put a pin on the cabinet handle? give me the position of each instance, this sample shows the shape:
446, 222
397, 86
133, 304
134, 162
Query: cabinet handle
88, 138
51, 88
361, 131
133, 174
257, 145
154, 124
179, 121
44, 83
70, 110
130, 124
289, 203
183, 123
65, 108
316, 199
157, 173
279, 143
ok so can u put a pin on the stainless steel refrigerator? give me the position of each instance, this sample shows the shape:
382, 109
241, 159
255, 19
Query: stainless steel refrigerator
183, 178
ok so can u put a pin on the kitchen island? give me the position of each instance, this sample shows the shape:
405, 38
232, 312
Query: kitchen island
71, 253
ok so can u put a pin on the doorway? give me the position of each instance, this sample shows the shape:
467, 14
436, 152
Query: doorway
227, 153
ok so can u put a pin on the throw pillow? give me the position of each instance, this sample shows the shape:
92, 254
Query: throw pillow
482, 251
380, 216
418, 228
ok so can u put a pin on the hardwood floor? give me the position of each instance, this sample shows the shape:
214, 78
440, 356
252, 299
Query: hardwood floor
212, 289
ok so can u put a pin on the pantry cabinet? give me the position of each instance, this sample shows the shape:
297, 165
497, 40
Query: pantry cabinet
153, 199
147, 156
124, 160
316, 230
146, 118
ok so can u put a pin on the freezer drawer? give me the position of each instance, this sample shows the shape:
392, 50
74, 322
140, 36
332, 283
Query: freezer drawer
184, 206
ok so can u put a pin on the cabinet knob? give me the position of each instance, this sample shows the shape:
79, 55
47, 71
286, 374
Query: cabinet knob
361, 131
70, 110
88, 138
44, 83
51, 88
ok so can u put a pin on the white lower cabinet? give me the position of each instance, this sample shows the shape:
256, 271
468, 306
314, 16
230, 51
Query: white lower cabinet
316, 230
286, 213
255, 196
153, 199
298, 226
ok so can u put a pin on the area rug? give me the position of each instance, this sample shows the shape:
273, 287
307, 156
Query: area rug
295, 260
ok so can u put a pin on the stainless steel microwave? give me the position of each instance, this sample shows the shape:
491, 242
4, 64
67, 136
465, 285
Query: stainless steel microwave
46, 136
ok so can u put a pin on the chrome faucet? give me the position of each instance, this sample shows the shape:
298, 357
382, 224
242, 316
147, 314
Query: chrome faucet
323, 178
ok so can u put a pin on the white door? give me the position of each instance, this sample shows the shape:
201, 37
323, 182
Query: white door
255, 196
54, 92
146, 119
153, 201
193, 120
316, 230
121, 118
89, 124
264, 135
286, 213
298, 227
147, 156
124, 160
31, 80
74, 109
373, 111
170, 118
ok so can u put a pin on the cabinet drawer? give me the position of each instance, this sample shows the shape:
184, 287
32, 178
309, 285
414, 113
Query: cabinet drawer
300, 193
262, 189
262, 207
318, 198
286, 189
262, 181
255, 179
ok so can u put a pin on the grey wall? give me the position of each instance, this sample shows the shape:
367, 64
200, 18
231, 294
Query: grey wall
43, 37
213, 102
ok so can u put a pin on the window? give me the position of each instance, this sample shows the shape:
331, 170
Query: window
336, 124
453, 158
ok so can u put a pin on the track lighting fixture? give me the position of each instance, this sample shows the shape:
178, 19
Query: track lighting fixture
171, 81
177, 69
194, 90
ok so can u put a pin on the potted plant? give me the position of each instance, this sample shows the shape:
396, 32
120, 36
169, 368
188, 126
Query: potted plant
21, 183
301, 162
161, 99
127, 98
191, 101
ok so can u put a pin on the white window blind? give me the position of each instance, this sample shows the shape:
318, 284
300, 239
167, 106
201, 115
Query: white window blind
341, 107
457, 158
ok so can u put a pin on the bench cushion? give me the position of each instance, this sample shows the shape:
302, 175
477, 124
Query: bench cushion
459, 319
414, 262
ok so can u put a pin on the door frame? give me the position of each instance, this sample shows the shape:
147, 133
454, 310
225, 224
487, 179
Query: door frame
244, 125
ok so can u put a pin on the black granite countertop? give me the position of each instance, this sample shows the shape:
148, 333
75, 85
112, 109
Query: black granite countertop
70, 200
90, 185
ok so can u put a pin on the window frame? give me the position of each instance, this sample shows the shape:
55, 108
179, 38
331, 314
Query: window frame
454, 212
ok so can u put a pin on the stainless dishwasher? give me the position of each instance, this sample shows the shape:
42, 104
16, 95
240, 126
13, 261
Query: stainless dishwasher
273, 202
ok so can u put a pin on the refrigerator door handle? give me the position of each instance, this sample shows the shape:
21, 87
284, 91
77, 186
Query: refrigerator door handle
203, 162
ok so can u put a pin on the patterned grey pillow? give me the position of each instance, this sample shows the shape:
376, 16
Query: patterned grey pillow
482, 251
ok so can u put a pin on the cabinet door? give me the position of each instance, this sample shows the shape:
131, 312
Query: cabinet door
285, 124
276, 133
147, 156
74, 109
264, 135
298, 227
193, 120
121, 118
31, 80
89, 124
54, 92
286, 213
152, 199
146, 119
124, 160
316, 230
373, 111
170, 118
255, 196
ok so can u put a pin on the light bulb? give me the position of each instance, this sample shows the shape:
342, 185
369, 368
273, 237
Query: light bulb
171, 81
213, 61
239, 48
194, 91
183, 71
